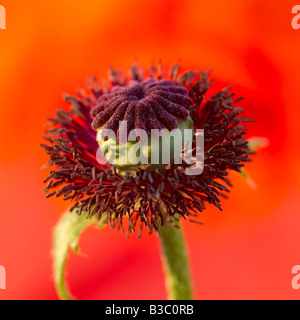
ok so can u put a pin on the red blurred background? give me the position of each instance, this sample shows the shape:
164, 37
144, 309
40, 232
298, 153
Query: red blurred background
245, 252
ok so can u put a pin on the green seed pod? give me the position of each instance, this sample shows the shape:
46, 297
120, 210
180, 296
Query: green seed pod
158, 151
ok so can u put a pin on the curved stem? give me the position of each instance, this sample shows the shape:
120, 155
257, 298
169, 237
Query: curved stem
175, 263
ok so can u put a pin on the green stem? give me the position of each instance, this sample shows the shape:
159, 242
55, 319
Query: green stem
175, 263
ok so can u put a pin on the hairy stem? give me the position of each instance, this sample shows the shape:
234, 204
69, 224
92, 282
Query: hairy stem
175, 263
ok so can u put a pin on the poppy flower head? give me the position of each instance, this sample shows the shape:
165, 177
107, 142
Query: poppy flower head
146, 100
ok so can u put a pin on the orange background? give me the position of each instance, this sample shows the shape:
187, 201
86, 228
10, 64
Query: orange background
249, 249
